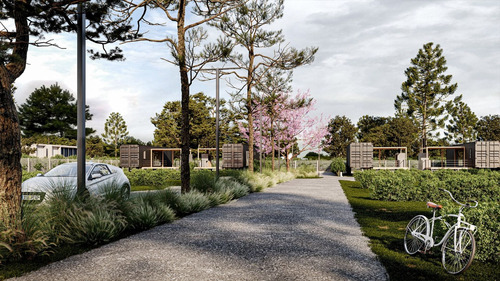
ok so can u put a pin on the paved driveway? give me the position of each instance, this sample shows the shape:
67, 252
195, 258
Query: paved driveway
300, 230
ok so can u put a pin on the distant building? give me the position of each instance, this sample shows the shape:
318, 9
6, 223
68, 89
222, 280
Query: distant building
51, 150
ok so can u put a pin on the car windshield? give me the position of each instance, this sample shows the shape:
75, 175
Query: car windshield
65, 171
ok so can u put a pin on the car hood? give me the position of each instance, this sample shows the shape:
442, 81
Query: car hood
48, 184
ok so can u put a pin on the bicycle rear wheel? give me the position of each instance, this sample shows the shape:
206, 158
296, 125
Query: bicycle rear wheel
458, 251
416, 228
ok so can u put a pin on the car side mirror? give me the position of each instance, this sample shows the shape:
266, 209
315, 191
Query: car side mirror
39, 175
95, 176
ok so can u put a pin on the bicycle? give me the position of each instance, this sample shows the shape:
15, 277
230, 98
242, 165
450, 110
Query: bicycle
458, 243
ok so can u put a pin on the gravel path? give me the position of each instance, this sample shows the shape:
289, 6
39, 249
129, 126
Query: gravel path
300, 230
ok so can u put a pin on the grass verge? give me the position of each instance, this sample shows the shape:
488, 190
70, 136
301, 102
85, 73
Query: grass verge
384, 223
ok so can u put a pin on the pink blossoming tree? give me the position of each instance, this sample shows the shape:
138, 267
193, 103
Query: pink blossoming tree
279, 126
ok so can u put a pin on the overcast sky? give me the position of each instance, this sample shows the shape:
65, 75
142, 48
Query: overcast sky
364, 48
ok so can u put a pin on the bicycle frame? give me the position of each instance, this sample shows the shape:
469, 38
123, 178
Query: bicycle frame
461, 223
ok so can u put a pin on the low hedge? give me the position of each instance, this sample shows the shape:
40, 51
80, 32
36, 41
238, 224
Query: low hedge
417, 185
160, 177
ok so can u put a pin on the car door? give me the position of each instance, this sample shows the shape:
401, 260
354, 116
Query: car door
99, 177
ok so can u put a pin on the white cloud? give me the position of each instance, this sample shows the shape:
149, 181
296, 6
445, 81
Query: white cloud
364, 49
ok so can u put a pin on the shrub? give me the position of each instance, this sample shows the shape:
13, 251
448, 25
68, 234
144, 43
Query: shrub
148, 211
92, 223
27, 242
160, 177
192, 202
485, 218
338, 165
203, 181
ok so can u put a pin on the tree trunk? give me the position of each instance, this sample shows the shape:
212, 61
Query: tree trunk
185, 172
10, 134
287, 161
249, 110
10, 161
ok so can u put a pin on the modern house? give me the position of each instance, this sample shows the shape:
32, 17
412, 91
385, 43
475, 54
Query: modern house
51, 150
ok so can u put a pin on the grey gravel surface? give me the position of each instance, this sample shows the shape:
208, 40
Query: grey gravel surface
300, 230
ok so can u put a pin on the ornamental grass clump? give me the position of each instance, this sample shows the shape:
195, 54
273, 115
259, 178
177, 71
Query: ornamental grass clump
93, 223
192, 202
203, 181
28, 240
148, 211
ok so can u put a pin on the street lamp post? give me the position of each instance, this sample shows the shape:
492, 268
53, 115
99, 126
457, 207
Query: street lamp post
81, 101
217, 103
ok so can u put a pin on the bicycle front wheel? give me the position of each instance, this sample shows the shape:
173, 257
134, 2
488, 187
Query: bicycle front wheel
416, 229
458, 251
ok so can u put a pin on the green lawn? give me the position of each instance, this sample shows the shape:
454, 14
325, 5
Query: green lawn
384, 223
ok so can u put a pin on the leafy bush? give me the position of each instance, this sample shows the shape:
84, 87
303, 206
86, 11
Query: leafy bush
203, 181
487, 236
29, 175
416, 185
306, 171
338, 165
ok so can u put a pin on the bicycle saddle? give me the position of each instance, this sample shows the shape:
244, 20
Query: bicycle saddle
434, 205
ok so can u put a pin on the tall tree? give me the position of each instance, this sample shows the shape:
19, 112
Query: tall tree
366, 123
341, 132
49, 111
425, 92
94, 147
463, 122
272, 89
488, 128
33, 20
183, 46
115, 130
292, 122
202, 122
245, 26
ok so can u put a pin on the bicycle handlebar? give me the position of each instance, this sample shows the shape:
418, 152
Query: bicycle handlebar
461, 204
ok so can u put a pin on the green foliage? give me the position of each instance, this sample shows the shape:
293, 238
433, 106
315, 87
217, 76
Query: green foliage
485, 218
341, 132
28, 175
463, 122
338, 165
38, 166
160, 177
202, 122
148, 211
115, 130
384, 222
416, 185
203, 181
425, 91
306, 171
50, 111
192, 202
488, 128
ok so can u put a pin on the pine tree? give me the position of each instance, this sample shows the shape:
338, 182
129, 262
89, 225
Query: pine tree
463, 122
115, 130
425, 92
49, 111
245, 26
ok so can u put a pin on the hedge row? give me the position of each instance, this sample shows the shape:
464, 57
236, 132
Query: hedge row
416, 185
160, 177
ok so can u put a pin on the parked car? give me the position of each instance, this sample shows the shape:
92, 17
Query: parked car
98, 178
